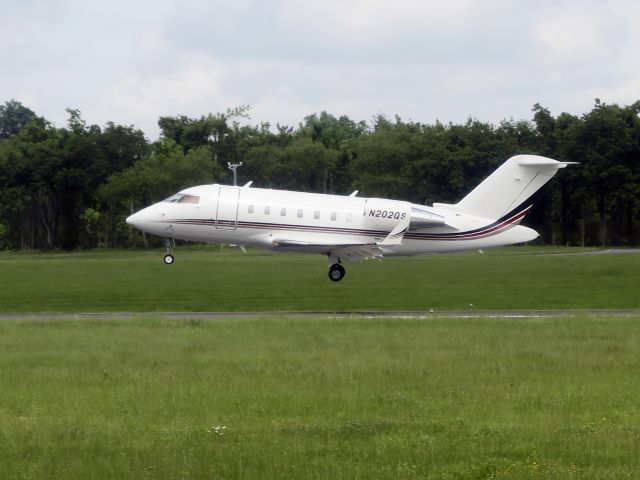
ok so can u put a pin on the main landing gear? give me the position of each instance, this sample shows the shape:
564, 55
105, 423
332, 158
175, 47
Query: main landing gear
336, 271
168, 258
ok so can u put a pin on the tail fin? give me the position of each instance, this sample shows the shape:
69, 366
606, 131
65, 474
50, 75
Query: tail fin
508, 187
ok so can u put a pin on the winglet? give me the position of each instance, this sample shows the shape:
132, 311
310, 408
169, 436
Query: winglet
395, 236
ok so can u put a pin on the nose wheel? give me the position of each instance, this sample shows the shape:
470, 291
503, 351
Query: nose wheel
168, 258
336, 272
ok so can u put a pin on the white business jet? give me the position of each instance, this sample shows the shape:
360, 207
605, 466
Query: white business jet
350, 227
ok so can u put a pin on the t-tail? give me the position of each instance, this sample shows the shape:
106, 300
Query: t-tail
508, 187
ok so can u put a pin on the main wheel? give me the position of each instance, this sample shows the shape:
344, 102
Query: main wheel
336, 272
168, 259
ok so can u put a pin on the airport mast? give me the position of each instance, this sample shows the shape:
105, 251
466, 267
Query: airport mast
234, 167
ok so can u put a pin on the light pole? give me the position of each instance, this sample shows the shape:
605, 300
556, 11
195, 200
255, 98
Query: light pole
213, 138
234, 167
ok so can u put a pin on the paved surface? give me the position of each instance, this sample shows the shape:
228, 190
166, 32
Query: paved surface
359, 313
614, 251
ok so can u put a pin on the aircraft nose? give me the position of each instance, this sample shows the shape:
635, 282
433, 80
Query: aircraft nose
148, 219
131, 220
135, 220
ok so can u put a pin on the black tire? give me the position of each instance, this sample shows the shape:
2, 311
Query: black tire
336, 272
168, 259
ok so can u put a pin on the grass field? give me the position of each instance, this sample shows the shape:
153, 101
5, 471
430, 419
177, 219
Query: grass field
318, 397
313, 397
210, 279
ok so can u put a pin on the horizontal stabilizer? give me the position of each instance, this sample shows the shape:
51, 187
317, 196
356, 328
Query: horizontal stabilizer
534, 161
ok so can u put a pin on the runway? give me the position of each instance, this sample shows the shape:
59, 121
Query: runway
470, 313
610, 251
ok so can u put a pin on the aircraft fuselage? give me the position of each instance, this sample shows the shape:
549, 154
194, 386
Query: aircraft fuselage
260, 217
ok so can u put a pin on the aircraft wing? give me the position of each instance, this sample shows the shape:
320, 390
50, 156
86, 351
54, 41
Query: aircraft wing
353, 252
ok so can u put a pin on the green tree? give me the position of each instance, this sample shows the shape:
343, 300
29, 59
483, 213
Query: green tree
14, 117
166, 170
29, 162
308, 165
379, 158
74, 186
607, 142
338, 134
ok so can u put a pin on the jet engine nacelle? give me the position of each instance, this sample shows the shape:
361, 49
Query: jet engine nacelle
386, 214
381, 214
421, 217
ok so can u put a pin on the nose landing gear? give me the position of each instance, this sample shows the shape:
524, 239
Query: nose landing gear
168, 258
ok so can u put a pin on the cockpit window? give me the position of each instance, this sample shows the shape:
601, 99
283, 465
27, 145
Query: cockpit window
189, 199
183, 198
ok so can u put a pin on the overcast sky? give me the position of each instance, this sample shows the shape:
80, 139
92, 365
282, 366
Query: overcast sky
132, 61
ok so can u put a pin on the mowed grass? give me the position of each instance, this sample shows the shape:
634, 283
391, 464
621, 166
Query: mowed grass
313, 397
212, 279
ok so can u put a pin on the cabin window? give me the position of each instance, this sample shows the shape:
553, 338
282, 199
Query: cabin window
316, 214
250, 209
267, 210
334, 215
299, 213
349, 217
283, 211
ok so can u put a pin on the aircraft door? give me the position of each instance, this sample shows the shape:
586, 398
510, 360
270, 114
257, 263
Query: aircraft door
227, 209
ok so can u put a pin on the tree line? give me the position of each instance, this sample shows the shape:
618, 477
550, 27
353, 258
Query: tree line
72, 187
